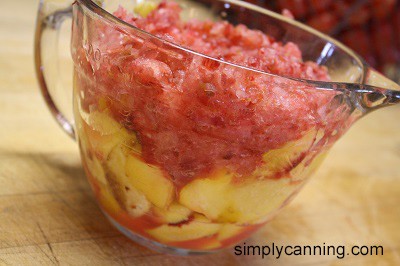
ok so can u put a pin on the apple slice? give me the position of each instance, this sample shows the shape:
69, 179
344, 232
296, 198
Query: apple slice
220, 199
108, 202
209, 196
131, 199
104, 133
254, 200
96, 169
103, 123
145, 8
197, 228
283, 158
136, 203
150, 180
307, 167
175, 213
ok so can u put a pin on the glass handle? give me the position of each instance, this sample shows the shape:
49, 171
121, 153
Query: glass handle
51, 15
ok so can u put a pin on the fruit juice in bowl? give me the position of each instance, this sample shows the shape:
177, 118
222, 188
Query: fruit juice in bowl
194, 128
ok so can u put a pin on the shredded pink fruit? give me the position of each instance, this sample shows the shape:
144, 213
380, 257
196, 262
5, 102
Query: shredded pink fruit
224, 41
194, 115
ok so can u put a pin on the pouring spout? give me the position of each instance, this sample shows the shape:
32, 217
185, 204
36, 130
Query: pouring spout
377, 91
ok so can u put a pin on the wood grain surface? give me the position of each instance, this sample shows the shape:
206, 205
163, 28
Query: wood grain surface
48, 214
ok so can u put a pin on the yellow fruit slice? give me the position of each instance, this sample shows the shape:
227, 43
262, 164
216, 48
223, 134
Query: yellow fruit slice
103, 123
222, 200
175, 213
253, 201
108, 201
96, 169
144, 8
282, 158
150, 180
131, 199
136, 203
302, 171
104, 134
195, 229
116, 162
209, 196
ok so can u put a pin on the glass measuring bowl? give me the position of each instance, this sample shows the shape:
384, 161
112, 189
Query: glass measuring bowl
188, 153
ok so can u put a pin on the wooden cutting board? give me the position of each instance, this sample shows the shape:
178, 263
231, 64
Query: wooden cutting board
48, 214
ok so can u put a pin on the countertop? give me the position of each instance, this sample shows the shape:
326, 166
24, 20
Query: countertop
48, 214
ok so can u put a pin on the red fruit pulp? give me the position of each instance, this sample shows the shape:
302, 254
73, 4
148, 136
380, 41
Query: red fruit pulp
194, 115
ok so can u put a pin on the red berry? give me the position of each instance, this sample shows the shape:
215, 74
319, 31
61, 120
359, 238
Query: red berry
358, 40
320, 5
384, 42
360, 16
324, 22
382, 9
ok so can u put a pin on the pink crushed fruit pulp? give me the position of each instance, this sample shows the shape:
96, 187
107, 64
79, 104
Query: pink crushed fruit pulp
193, 115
